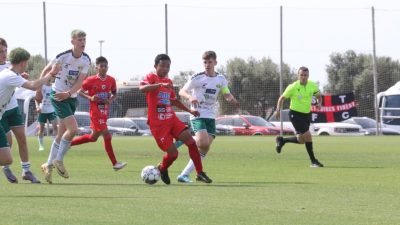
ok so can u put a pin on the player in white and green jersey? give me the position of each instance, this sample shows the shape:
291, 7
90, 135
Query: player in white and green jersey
9, 80
74, 66
202, 91
46, 112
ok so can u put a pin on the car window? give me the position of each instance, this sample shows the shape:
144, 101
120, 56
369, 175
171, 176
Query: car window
225, 121
238, 122
258, 121
365, 122
129, 124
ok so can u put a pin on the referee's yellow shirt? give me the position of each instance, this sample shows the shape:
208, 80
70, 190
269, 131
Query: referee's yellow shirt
301, 95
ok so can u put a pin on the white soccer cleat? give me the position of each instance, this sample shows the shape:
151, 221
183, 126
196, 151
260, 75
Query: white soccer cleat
119, 165
47, 170
59, 165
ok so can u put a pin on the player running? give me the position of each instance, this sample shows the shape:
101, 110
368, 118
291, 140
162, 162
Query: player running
46, 112
202, 91
74, 68
100, 90
164, 124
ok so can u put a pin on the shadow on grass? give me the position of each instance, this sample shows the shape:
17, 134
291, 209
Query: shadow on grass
355, 167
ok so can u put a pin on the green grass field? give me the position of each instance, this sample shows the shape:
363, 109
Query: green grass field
252, 185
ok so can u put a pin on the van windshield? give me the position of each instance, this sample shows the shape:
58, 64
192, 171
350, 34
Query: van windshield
392, 101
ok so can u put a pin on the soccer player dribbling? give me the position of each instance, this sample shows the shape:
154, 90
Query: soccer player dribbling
100, 90
164, 125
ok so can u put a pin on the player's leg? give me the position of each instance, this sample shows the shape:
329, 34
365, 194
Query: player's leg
5, 151
298, 124
182, 133
164, 139
107, 137
54, 123
86, 138
5, 129
41, 136
307, 138
19, 133
67, 118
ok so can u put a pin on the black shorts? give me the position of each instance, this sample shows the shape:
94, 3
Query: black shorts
301, 121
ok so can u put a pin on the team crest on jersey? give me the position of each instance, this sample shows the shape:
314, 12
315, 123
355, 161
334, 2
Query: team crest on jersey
204, 85
66, 65
103, 86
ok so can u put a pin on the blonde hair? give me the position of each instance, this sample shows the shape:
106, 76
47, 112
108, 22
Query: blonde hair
78, 33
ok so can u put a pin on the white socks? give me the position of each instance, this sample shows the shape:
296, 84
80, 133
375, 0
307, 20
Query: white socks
190, 166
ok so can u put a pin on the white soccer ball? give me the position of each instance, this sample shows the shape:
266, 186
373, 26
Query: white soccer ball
150, 174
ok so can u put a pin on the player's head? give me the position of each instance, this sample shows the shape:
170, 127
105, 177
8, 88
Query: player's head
162, 64
101, 65
78, 39
19, 56
3, 51
209, 60
303, 74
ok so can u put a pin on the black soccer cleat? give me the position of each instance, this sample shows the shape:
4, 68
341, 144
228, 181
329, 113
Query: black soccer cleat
279, 144
164, 176
316, 164
203, 178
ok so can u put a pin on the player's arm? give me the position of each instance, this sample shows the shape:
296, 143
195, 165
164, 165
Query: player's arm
279, 105
229, 97
85, 94
36, 84
74, 89
38, 99
112, 97
181, 106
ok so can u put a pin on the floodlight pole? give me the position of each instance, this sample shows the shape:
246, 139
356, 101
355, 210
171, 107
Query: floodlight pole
375, 75
166, 29
281, 65
45, 32
101, 47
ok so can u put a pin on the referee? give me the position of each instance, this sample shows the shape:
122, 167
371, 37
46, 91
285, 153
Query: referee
300, 94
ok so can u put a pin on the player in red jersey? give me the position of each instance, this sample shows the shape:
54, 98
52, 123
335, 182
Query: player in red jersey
100, 90
164, 124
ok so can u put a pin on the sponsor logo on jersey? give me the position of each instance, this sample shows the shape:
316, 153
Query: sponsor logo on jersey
73, 72
211, 91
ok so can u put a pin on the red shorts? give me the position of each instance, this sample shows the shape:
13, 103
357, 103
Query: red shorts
98, 123
165, 134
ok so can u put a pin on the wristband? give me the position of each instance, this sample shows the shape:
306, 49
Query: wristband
69, 93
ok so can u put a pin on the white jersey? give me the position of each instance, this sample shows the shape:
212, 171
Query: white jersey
45, 105
9, 80
71, 67
206, 90
13, 101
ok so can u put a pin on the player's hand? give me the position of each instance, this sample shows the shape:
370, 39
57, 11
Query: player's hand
38, 110
278, 115
319, 106
25, 75
94, 98
61, 96
236, 104
194, 113
194, 102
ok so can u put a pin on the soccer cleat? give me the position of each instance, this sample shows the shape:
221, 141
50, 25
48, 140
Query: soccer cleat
184, 179
119, 165
47, 170
59, 165
203, 178
29, 176
9, 175
164, 175
316, 164
279, 144
41, 148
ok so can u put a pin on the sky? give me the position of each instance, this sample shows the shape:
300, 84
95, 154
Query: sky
134, 31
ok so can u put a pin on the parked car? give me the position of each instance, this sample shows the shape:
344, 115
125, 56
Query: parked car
285, 121
130, 125
251, 125
224, 130
337, 129
369, 126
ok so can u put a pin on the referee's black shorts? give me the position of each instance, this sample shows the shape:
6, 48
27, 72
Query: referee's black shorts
301, 121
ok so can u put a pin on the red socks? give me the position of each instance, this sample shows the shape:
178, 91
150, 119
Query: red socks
109, 148
167, 161
82, 139
194, 155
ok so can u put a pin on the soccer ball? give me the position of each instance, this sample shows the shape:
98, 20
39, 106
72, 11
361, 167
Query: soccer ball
150, 174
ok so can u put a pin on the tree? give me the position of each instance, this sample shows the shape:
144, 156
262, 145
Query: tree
35, 66
255, 83
353, 72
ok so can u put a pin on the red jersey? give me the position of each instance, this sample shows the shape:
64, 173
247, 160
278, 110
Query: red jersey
159, 101
95, 85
